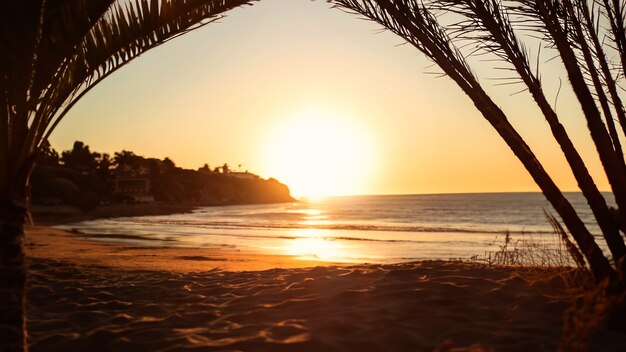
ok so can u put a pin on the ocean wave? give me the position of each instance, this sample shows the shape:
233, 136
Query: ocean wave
345, 227
98, 233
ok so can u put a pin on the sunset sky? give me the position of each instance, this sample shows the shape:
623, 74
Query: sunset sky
320, 100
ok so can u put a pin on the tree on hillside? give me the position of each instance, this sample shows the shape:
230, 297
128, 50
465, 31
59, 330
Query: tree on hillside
585, 36
80, 158
127, 158
51, 54
204, 168
48, 156
105, 164
168, 165
154, 166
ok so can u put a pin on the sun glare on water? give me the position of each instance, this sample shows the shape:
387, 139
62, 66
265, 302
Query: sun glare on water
315, 248
317, 154
311, 244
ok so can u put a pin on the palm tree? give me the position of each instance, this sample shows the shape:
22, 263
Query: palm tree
52, 52
584, 35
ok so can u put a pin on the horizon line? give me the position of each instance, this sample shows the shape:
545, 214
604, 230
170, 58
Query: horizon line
426, 194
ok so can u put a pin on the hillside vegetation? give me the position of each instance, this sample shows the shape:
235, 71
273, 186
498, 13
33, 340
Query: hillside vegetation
86, 179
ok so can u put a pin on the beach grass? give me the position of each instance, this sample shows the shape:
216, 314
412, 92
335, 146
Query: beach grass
590, 308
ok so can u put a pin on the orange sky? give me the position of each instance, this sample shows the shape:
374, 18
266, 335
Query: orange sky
320, 100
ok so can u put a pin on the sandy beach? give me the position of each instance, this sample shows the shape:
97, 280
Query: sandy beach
109, 296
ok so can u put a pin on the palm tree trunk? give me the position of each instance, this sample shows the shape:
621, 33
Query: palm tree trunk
601, 138
598, 263
424, 35
12, 277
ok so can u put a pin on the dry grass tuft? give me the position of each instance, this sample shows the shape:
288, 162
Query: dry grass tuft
591, 305
530, 251
548, 257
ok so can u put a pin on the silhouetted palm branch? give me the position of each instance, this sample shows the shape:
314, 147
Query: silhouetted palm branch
491, 27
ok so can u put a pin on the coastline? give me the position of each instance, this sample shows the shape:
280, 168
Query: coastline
63, 214
102, 296
60, 245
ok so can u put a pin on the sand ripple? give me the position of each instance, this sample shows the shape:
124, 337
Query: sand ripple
405, 307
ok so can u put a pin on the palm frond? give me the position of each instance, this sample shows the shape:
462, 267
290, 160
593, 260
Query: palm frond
490, 26
413, 21
124, 33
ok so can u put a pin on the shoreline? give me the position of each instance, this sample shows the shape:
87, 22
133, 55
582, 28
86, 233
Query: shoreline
63, 214
47, 215
51, 215
60, 245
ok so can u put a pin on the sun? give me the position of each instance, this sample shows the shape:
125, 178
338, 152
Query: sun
319, 153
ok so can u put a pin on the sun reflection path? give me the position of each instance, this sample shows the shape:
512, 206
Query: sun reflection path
313, 217
312, 244
316, 248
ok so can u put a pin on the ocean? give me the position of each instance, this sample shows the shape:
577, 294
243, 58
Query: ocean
352, 229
